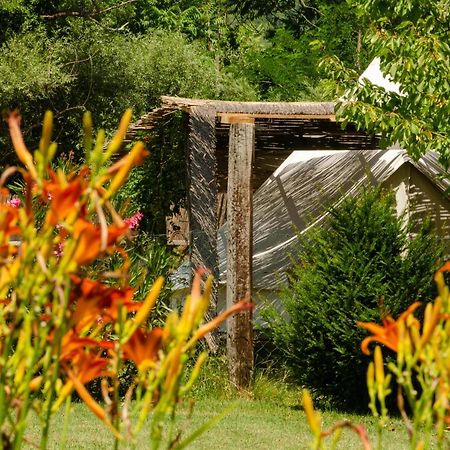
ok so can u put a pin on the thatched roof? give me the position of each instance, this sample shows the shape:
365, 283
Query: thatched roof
296, 198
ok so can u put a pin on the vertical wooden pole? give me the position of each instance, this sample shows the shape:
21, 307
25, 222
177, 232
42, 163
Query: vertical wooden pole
202, 199
239, 255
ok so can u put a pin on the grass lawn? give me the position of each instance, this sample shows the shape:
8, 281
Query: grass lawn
267, 418
254, 424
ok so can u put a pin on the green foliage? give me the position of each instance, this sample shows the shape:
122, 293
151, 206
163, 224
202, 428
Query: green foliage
283, 63
412, 40
104, 72
337, 29
158, 187
298, 16
150, 259
179, 15
281, 67
30, 72
362, 263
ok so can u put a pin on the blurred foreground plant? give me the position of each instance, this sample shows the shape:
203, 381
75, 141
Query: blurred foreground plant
421, 372
58, 330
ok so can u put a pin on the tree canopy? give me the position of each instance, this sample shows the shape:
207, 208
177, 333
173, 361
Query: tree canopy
411, 38
107, 55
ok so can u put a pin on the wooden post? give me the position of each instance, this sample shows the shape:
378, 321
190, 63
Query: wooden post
202, 199
239, 254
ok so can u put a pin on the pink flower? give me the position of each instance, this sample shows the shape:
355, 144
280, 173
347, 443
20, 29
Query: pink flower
134, 220
15, 202
59, 250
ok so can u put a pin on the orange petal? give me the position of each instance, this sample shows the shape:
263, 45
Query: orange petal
19, 145
409, 311
87, 398
372, 327
382, 340
445, 267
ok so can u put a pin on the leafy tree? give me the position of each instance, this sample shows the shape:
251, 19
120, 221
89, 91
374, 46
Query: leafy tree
179, 15
411, 38
104, 72
296, 15
283, 61
361, 262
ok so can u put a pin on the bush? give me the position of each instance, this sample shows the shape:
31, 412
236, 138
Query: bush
420, 370
364, 260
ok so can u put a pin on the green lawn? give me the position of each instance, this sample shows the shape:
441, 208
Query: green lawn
268, 417
254, 424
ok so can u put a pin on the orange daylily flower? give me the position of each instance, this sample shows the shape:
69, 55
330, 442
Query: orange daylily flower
9, 219
90, 240
95, 301
81, 366
96, 408
86, 397
84, 367
72, 345
4, 195
88, 366
63, 197
142, 347
388, 333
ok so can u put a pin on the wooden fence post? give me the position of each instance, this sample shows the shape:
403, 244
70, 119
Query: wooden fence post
239, 254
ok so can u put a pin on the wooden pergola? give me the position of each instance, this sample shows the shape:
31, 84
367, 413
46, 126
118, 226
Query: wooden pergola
232, 148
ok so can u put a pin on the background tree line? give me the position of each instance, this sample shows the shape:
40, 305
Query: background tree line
107, 55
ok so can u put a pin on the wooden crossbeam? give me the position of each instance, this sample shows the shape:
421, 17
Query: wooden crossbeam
229, 118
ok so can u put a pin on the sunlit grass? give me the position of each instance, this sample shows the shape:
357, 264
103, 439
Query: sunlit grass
268, 417
253, 424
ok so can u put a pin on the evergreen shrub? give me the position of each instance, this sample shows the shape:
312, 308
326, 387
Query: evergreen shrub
362, 264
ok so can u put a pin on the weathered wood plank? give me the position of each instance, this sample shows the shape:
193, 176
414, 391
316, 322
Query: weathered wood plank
229, 118
239, 257
322, 108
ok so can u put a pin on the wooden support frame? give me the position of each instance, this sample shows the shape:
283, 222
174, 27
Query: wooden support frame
240, 255
312, 125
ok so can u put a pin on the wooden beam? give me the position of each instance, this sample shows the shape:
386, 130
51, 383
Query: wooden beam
229, 118
239, 255
235, 118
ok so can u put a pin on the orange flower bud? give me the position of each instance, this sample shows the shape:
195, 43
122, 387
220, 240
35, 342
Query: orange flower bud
20, 148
